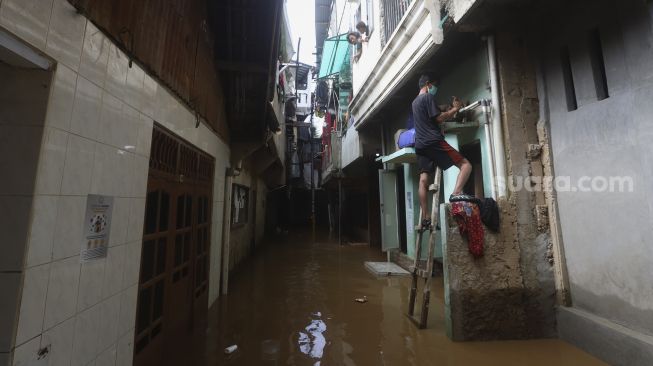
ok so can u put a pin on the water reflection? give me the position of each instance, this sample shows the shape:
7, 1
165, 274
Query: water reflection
312, 341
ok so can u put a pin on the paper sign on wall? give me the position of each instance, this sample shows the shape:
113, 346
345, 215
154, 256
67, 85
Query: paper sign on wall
97, 226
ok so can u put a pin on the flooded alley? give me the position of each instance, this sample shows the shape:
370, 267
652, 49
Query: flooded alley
293, 303
205, 183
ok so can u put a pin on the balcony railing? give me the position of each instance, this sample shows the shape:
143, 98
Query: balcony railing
392, 11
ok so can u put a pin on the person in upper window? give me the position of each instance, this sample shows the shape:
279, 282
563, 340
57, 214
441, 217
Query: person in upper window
354, 38
432, 149
361, 27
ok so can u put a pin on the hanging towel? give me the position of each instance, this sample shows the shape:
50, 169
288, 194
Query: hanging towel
468, 218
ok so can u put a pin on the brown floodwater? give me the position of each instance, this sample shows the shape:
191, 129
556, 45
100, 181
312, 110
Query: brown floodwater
292, 303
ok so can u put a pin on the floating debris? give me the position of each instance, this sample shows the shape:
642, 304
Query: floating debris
231, 349
361, 300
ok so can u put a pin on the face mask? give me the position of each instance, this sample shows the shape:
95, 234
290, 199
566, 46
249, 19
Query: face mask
433, 90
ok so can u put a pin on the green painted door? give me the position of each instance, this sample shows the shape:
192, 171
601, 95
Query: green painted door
389, 213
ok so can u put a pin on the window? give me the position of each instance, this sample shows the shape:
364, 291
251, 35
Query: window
598, 65
570, 90
369, 16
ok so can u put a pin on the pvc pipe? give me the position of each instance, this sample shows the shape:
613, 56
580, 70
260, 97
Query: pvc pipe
497, 131
488, 139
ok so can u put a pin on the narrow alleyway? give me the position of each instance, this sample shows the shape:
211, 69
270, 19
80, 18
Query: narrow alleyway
293, 304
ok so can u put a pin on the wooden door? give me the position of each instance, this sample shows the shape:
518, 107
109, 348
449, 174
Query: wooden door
173, 287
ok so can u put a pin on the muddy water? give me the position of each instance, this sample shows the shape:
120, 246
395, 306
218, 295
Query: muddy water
293, 304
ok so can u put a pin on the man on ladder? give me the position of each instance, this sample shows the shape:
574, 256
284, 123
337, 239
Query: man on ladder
431, 148
432, 152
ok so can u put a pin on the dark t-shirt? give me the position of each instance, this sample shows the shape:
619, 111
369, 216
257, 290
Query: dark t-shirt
427, 130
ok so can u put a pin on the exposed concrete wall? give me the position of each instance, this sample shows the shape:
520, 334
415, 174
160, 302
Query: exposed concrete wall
484, 297
606, 234
508, 293
520, 114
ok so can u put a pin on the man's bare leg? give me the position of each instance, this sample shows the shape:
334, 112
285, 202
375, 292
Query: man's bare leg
423, 191
465, 171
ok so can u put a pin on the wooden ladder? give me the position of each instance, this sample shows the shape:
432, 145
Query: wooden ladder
426, 271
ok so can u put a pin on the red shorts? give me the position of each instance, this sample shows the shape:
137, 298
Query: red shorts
440, 153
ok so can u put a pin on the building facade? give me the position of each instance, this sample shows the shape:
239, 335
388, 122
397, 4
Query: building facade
562, 100
135, 113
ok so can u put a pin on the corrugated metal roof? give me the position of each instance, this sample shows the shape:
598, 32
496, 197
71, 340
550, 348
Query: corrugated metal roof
335, 55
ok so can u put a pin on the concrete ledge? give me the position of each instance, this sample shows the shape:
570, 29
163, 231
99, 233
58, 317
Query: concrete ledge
611, 342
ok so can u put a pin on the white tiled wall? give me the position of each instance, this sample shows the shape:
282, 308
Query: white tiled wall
96, 140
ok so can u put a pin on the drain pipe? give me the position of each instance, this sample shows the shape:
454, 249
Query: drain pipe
226, 223
485, 103
497, 131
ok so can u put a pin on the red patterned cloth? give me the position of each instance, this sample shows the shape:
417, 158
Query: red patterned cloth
468, 218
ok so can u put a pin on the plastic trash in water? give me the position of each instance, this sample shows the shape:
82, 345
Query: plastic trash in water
361, 300
231, 349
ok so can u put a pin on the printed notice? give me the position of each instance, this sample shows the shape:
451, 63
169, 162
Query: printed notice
97, 225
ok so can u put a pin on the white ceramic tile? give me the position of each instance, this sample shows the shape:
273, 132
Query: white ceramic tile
124, 177
132, 264
109, 313
85, 339
90, 284
41, 233
26, 354
134, 86
125, 352
105, 170
62, 95
139, 176
144, 142
10, 286
150, 87
14, 226
95, 55
116, 72
136, 219
129, 130
86, 109
51, 161
29, 19
32, 305
60, 341
111, 120
107, 357
21, 141
164, 107
61, 300
66, 34
127, 318
68, 230
119, 221
78, 168
115, 264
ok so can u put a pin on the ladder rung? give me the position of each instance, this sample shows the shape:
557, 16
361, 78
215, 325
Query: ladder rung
421, 272
433, 187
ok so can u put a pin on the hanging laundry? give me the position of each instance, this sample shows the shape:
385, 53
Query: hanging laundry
468, 218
